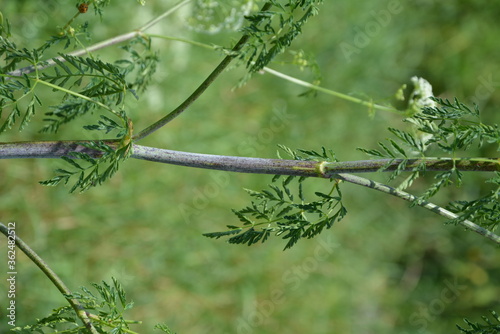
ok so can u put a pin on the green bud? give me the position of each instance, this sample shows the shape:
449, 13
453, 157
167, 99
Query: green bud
400, 95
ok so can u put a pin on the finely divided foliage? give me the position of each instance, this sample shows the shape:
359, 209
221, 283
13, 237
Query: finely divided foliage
287, 213
451, 128
272, 31
89, 88
278, 211
108, 301
488, 327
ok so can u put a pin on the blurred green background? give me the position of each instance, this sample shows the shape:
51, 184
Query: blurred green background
386, 268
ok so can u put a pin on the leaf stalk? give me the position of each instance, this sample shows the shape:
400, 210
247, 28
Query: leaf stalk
75, 304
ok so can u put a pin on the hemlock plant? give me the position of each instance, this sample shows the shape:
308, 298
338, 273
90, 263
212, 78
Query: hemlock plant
86, 85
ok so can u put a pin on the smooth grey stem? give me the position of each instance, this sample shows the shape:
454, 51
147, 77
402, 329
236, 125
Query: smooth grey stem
336, 170
228, 163
44, 149
307, 168
411, 198
57, 149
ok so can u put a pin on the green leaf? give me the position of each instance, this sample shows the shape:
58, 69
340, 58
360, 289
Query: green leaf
291, 220
218, 235
373, 153
72, 162
398, 148
242, 218
62, 65
488, 327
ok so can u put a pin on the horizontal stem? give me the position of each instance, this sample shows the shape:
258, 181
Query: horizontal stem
336, 170
46, 149
228, 163
429, 164
57, 149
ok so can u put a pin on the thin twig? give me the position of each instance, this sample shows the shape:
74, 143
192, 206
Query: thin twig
413, 199
294, 80
201, 89
77, 53
101, 45
164, 15
329, 91
75, 304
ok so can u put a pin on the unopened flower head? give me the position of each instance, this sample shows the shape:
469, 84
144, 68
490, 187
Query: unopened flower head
421, 98
421, 95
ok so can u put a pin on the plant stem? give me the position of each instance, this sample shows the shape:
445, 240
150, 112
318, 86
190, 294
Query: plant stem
184, 40
57, 149
46, 149
70, 92
290, 78
80, 311
201, 89
77, 53
413, 199
306, 168
164, 15
330, 92
424, 164
104, 44
335, 170
227, 163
